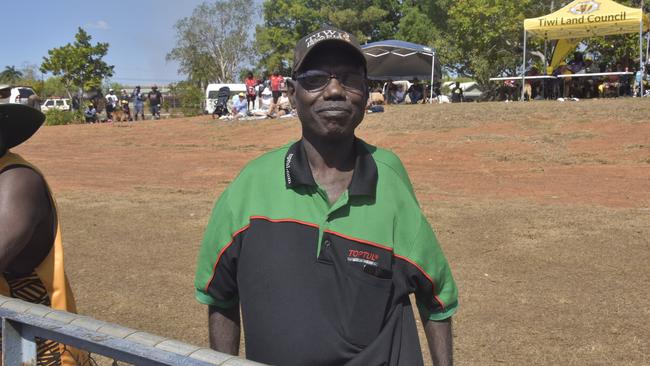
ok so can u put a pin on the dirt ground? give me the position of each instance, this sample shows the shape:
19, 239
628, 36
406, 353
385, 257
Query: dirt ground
543, 210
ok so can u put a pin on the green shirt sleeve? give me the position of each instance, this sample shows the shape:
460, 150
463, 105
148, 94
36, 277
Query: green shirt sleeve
436, 292
216, 273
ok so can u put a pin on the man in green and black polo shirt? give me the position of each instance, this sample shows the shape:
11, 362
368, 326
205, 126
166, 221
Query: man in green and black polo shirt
321, 241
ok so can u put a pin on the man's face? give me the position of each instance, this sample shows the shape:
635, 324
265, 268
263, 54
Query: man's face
335, 110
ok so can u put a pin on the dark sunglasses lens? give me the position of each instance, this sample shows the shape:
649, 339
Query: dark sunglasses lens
353, 81
312, 82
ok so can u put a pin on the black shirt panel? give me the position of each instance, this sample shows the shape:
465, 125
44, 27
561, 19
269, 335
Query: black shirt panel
344, 301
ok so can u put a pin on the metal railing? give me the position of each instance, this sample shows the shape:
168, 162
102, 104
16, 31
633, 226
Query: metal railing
23, 322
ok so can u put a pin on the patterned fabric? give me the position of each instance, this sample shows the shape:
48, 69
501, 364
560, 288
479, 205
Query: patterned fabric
47, 285
30, 288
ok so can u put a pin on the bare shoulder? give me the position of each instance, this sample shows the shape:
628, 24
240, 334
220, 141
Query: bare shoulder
21, 183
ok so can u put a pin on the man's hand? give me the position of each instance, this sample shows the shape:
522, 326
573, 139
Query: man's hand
440, 341
224, 328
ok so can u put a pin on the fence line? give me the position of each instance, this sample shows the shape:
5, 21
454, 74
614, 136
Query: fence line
22, 322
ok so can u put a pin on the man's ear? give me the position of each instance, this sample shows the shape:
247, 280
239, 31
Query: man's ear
291, 92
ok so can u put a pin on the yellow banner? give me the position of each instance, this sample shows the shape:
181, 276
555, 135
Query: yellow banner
586, 18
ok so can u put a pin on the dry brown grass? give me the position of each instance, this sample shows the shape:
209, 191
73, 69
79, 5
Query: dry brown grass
542, 209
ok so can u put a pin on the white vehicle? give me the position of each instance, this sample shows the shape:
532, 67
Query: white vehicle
213, 89
62, 104
471, 91
20, 95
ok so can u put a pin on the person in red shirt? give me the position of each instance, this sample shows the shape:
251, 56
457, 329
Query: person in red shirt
277, 84
251, 93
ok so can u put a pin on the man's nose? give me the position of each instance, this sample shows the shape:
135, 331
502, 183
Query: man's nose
334, 90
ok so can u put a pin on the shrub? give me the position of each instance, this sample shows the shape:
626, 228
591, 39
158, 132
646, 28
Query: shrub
55, 117
190, 98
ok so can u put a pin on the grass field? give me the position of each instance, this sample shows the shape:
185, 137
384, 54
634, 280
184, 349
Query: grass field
543, 210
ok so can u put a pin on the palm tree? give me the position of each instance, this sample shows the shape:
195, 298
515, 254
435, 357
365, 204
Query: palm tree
10, 75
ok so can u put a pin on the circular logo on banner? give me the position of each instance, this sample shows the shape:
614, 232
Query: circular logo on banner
584, 7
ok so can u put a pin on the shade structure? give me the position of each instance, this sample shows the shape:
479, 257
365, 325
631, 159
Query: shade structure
399, 60
587, 18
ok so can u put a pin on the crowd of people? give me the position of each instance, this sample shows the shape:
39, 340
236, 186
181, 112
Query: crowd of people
118, 107
264, 98
625, 80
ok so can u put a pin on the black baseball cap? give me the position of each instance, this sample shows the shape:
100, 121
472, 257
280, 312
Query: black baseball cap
18, 122
322, 36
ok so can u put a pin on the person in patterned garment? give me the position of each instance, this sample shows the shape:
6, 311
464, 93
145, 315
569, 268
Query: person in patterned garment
31, 254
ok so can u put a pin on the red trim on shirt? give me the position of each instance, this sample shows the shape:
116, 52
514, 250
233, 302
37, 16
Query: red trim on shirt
284, 220
223, 250
433, 284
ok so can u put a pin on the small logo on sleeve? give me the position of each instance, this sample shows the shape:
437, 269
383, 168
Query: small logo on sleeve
363, 256
287, 168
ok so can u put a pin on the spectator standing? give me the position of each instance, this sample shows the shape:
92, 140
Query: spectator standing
251, 92
124, 96
111, 104
390, 92
126, 110
155, 102
75, 102
638, 79
138, 102
277, 83
457, 93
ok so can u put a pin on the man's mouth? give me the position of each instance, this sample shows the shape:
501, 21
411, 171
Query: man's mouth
333, 111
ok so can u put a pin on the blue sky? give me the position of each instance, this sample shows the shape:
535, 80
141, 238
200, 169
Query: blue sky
140, 33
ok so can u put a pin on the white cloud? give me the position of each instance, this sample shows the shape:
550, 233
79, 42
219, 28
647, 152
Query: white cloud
100, 24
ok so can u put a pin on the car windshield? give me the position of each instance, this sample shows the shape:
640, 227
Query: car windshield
212, 94
24, 92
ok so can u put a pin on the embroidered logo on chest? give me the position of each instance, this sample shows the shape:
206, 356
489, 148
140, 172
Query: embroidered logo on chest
363, 256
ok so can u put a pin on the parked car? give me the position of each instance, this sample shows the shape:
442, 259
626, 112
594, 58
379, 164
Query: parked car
471, 91
22, 95
62, 104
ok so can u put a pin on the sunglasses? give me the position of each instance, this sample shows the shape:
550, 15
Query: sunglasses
317, 80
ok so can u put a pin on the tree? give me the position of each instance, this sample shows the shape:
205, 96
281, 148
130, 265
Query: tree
10, 75
286, 21
213, 43
485, 38
52, 87
79, 64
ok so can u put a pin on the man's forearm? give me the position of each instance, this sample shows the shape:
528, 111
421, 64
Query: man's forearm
439, 337
224, 327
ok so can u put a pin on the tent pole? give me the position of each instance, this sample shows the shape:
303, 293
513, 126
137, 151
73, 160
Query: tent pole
641, 50
523, 70
433, 64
